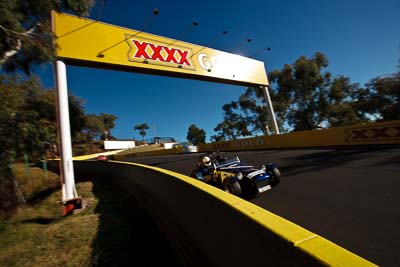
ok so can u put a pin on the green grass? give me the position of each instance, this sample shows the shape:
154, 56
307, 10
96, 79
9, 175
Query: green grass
34, 182
108, 232
38, 234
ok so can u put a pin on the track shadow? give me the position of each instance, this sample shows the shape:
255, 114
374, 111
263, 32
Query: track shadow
150, 161
40, 220
126, 234
161, 163
327, 159
39, 196
389, 161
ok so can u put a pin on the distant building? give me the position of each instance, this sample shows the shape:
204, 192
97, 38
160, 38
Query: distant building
162, 140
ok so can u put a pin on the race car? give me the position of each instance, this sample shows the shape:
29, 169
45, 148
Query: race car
236, 177
102, 158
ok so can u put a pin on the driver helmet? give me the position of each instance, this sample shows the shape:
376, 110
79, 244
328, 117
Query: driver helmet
206, 161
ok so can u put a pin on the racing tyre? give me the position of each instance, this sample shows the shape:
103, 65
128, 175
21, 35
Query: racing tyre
276, 174
232, 188
237, 190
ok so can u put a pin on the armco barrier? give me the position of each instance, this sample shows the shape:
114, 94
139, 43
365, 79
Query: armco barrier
383, 133
209, 227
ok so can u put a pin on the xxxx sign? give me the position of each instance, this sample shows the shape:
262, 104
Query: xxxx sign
86, 42
373, 133
152, 52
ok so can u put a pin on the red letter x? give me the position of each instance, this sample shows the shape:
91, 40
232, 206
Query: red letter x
380, 132
171, 56
156, 52
398, 131
184, 59
141, 49
359, 134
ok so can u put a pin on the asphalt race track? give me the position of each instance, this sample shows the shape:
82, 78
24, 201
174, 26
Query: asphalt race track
349, 196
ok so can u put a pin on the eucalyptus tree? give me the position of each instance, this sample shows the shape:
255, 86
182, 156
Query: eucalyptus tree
142, 129
384, 97
304, 96
109, 123
196, 135
26, 37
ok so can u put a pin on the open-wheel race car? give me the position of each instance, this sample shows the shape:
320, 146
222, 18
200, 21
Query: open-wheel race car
236, 177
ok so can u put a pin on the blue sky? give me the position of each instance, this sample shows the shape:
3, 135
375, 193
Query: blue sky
360, 38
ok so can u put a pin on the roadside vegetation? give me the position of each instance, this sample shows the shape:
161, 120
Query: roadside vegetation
196, 135
306, 96
108, 232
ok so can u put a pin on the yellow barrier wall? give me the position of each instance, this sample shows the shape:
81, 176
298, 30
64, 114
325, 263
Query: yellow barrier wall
92, 156
209, 227
161, 152
382, 133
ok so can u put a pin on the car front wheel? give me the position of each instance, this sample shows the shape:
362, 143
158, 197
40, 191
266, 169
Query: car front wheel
276, 176
232, 187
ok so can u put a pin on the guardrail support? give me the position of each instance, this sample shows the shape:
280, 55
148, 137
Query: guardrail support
70, 197
270, 109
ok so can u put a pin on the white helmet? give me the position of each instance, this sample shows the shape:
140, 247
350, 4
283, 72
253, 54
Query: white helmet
206, 161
